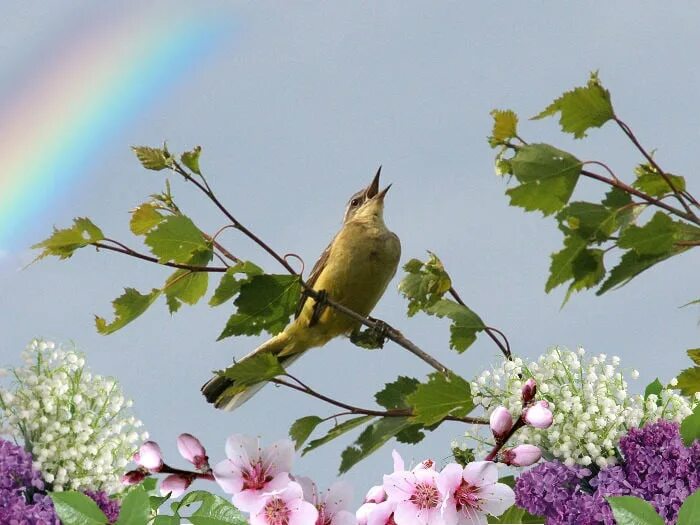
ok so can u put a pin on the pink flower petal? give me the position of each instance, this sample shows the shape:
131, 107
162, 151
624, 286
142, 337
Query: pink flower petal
338, 497
176, 484
470, 516
450, 478
398, 461
344, 517
481, 473
278, 457
150, 456
381, 512
375, 494
228, 476
242, 450
303, 513
399, 485
362, 514
496, 498
291, 492
309, 489
406, 513
190, 448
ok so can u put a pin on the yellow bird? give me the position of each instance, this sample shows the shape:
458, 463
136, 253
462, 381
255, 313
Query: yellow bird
354, 270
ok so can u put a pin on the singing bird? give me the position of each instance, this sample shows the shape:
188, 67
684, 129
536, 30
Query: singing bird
354, 270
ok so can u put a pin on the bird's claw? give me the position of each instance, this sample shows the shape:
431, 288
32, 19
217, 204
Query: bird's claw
373, 337
320, 304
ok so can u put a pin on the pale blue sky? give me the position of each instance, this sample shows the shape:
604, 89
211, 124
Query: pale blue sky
294, 114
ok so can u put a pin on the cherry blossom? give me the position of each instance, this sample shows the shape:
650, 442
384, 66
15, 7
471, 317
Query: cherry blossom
332, 505
416, 495
285, 506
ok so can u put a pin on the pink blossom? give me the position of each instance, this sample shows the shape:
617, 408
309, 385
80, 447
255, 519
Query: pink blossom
376, 513
528, 391
250, 472
521, 456
375, 495
192, 450
471, 492
134, 477
416, 495
284, 506
149, 456
539, 415
332, 505
177, 484
501, 422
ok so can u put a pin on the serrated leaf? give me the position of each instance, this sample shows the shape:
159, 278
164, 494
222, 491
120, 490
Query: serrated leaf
581, 108
372, 438
155, 502
144, 218
694, 354
214, 510
547, 178
689, 513
75, 508
229, 285
188, 286
127, 307
338, 430
441, 396
135, 508
411, 435
656, 237
176, 239
254, 369
631, 264
650, 181
191, 159
266, 302
629, 510
164, 519
465, 322
394, 394
593, 222
424, 283
690, 427
63, 243
302, 428
689, 381
152, 158
505, 126
653, 388
515, 514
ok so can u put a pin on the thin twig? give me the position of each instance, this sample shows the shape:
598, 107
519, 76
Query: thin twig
133, 253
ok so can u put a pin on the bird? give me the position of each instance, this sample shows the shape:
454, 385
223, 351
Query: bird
354, 270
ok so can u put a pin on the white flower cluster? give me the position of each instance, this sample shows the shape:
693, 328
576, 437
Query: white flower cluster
589, 399
76, 425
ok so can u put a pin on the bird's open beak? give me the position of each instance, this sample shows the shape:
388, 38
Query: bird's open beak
381, 194
373, 188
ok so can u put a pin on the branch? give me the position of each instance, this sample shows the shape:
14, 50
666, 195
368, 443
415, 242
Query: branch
133, 253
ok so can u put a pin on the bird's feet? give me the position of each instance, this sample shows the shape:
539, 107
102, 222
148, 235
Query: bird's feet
372, 338
320, 304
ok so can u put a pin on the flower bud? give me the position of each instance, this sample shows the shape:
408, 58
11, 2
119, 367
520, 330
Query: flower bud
538, 415
375, 495
521, 456
192, 450
150, 457
134, 477
528, 391
501, 422
176, 484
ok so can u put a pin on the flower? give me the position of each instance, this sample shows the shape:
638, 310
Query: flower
285, 506
250, 473
109, 506
176, 484
473, 491
332, 505
76, 424
538, 415
417, 496
521, 456
192, 450
500, 422
376, 510
528, 390
149, 456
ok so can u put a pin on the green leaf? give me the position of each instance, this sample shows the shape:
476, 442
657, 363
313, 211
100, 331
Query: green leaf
266, 302
149, 484
371, 439
411, 435
694, 354
629, 510
689, 381
302, 428
689, 513
505, 126
214, 510
650, 181
175, 239
191, 159
164, 519
188, 286
229, 285
152, 158
547, 176
144, 218
254, 369
582, 108
63, 243
135, 508
425, 283
127, 307
515, 514
655, 388
394, 394
75, 508
690, 427
155, 502
440, 397
336, 431
631, 264
654, 238
465, 322
561, 268
593, 222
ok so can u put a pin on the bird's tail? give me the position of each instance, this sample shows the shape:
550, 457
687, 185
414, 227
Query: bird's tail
222, 391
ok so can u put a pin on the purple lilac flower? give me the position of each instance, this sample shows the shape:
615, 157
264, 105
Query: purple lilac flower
657, 467
109, 506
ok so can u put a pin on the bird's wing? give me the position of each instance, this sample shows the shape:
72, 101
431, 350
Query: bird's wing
313, 276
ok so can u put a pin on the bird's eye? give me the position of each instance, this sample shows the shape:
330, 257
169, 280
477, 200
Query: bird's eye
354, 202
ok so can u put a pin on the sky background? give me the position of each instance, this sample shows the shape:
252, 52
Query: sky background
295, 107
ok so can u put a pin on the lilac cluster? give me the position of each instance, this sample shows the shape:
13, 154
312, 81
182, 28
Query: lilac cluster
657, 467
109, 506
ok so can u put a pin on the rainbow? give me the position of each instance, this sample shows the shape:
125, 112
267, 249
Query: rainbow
101, 77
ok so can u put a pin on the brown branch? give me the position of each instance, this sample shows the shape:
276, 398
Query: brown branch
120, 248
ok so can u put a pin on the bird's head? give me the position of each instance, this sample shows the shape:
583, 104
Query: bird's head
368, 202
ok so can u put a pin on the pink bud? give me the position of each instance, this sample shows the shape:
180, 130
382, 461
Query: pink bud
177, 484
538, 415
133, 477
521, 456
375, 495
501, 422
192, 450
528, 391
149, 456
